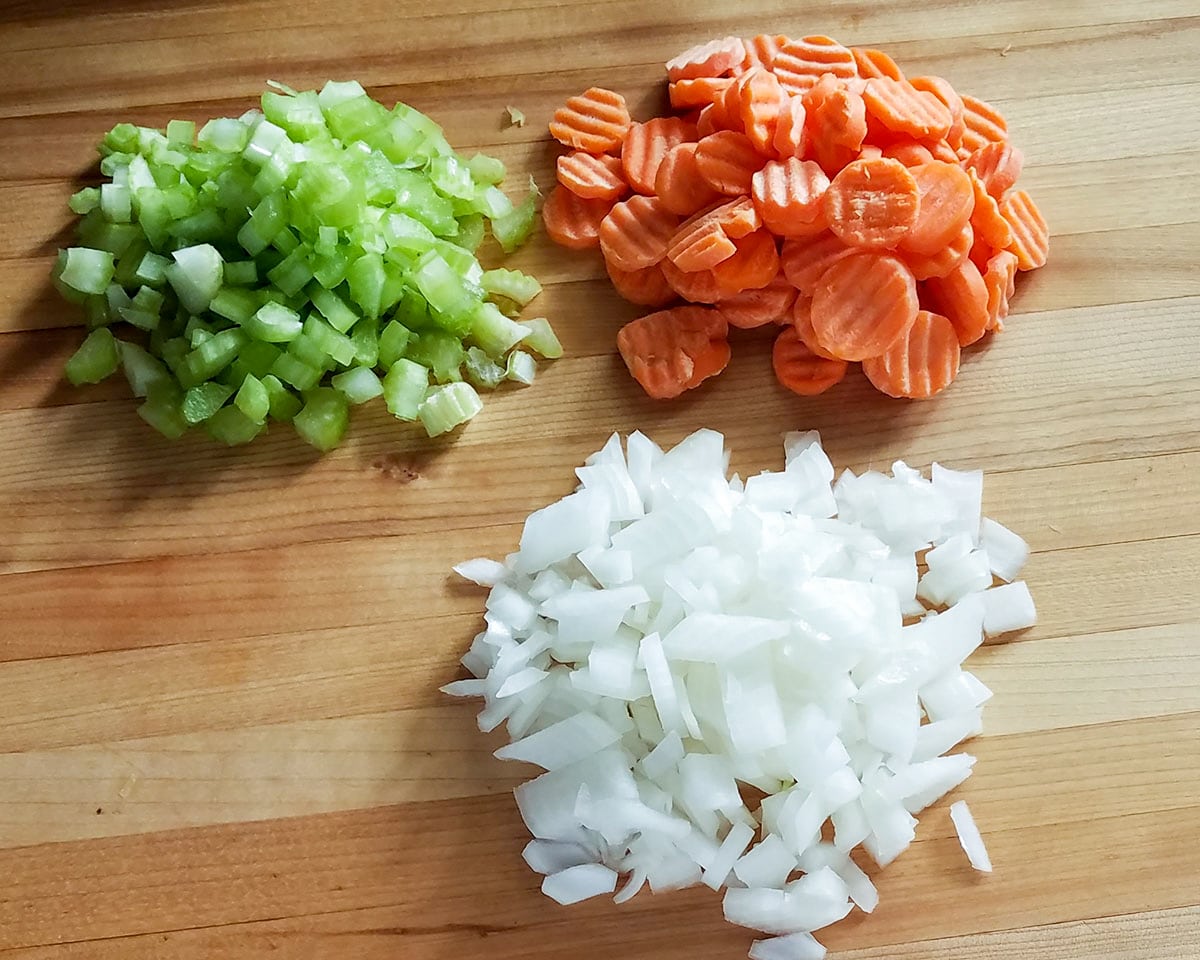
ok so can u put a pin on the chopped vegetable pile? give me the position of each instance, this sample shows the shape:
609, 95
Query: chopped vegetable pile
293, 262
805, 184
710, 670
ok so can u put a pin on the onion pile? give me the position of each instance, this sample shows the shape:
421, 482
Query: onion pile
711, 670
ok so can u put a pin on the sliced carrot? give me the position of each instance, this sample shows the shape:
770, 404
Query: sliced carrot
903, 109
645, 146
674, 350
800, 369
754, 264
697, 92
595, 121
982, 124
908, 152
872, 203
731, 104
790, 137
836, 121
949, 96
761, 51
946, 259
788, 195
646, 287
802, 322
697, 286
870, 152
805, 259
943, 151
989, 226
920, 364
799, 64
712, 59
946, 199
701, 249
678, 182
572, 221
737, 218
863, 304
962, 298
875, 63
998, 165
761, 97
761, 306
999, 277
590, 176
981, 252
711, 118
728, 161
636, 232
1031, 236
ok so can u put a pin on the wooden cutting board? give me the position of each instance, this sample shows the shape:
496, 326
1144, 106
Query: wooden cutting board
220, 731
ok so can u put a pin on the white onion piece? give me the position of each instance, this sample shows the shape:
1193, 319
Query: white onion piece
482, 571
1005, 549
1008, 607
579, 883
793, 946
969, 836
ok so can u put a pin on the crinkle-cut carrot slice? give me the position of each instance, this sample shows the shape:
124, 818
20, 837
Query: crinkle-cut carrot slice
870, 152
761, 51
697, 92
999, 277
674, 350
590, 176
802, 322
863, 304
754, 264
732, 104
678, 182
904, 109
636, 232
872, 203
949, 97
836, 123
799, 64
790, 140
962, 298
573, 221
712, 59
698, 286
875, 63
701, 249
805, 259
982, 124
989, 226
595, 121
711, 119
760, 306
1031, 236
943, 151
789, 196
737, 217
998, 165
941, 263
728, 162
645, 146
981, 252
760, 99
646, 287
946, 198
908, 152
920, 364
801, 370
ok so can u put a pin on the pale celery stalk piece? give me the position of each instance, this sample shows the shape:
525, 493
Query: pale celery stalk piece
358, 384
448, 406
96, 358
541, 338
404, 388
521, 367
196, 276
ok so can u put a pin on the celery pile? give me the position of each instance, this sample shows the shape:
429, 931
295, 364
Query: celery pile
293, 262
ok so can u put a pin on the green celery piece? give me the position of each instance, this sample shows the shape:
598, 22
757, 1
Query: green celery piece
393, 341
448, 406
366, 342
265, 222
236, 304
273, 323
451, 177
293, 272
279, 170
493, 331
521, 367
299, 114
212, 356
224, 135
144, 310
153, 216
96, 312
366, 278
433, 139
485, 169
481, 370
395, 286
443, 289
130, 262
404, 387
379, 179
123, 138
252, 399
116, 298
541, 339
416, 196
114, 238
151, 269
231, 426
162, 410
265, 141
471, 231
329, 341
174, 352
465, 266
258, 357
493, 203
330, 270
203, 400
306, 348
513, 229
358, 118
116, 202
333, 308
440, 352
512, 285
198, 331
85, 270
358, 384
324, 419
142, 370
296, 372
181, 134
95, 359
407, 236
235, 191
412, 310
284, 403
241, 273
111, 164
327, 240
285, 242
203, 226
196, 276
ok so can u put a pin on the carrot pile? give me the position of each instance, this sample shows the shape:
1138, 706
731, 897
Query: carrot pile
806, 184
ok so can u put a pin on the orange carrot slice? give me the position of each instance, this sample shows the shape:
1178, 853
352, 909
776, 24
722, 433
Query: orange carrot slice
962, 298
646, 287
805, 259
949, 97
790, 137
801, 370
999, 277
908, 152
875, 63
981, 252
712, 59
754, 264
760, 100
697, 92
989, 226
788, 195
737, 218
728, 161
863, 304
802, 322
943, 261
920, 364
799, 64
946, 199
636, 232
761, 306
696, 286
943, 151
645, 146
872, 203
1031, 236
674, 350
572, 221
836, 121
982, 124
903, 109
701, 249
998, 165
678, 182
870, 152
595, 121
590, 176
761, 51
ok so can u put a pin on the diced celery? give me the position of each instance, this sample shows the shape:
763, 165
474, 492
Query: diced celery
330, 270
114, 238
212, 356
485, 169
442, 353
296, 372
181, 133
196, 276
204, 225
358, 384
265, 140
481, 370
161, 410
231, 426
404, 388
284, 403
264, 224
448, 406
299, 114
258, 357
235, 303
333, 308
142, 370
329, 341
123, 138
366, 278
85, 270
408, 234
324, 418
513, 229
95, 359
521, 367
452, 177
96, 312
174, 353
252, 399
224, 134
541, 339
442, 288
306, 348
327, 240
203, 400
355, 118
393, 341
241, 273
471, 232
366, 342
151, 269
293, 272
493, 331
84, 201
493, 203
274, 323
285, 242
116, 202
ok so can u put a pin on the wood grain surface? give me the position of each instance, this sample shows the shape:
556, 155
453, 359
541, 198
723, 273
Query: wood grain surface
220, 731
